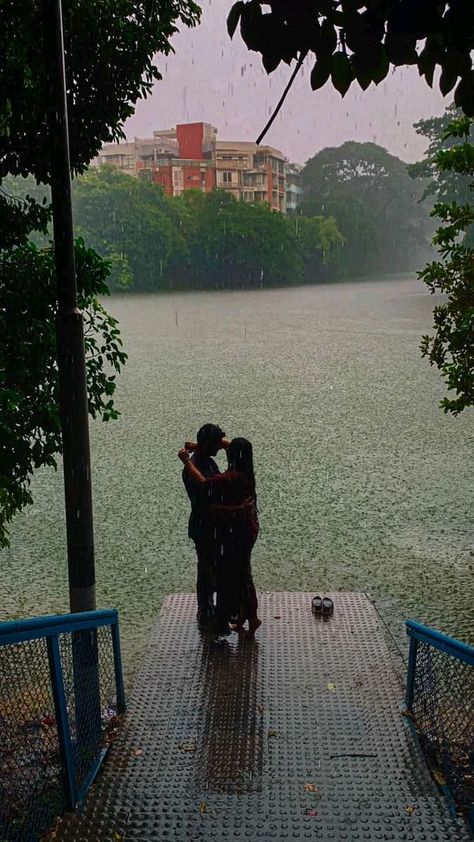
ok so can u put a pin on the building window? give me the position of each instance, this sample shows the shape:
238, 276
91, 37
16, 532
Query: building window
227, 177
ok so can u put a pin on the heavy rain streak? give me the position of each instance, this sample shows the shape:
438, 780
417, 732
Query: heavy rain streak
363, 484
272, 290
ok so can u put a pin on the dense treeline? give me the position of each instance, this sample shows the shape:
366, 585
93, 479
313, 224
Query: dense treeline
376, 206
361, 215
197, 240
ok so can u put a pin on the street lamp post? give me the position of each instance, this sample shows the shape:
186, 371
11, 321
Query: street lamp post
70, 331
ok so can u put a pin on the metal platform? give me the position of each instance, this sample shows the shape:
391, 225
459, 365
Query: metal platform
297, 735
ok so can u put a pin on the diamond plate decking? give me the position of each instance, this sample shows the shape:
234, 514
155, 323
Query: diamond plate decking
295, 736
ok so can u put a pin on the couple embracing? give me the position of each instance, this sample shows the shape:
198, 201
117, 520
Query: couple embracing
224, 527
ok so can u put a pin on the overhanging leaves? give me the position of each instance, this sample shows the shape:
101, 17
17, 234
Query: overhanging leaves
372, 36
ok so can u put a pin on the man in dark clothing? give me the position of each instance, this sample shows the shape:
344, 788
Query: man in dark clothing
210, 439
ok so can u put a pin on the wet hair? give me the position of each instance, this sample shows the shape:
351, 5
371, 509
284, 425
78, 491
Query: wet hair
240, 458
209, 433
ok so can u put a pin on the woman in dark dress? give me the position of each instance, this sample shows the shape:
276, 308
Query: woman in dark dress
233, 509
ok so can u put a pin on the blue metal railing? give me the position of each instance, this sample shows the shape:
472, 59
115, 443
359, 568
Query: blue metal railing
440, 698
61, 690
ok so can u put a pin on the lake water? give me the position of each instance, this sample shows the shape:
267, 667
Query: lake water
363, 483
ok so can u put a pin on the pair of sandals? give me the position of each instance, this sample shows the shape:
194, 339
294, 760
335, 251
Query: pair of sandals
322, 606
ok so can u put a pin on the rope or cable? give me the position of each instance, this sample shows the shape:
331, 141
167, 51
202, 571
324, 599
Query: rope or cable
283, 97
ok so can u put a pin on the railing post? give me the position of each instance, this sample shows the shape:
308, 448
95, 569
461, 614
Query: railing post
118, 667
62, 722
411, 672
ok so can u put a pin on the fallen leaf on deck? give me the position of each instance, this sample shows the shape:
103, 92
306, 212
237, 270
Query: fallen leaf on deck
331, 687
203, 808
311, 812
410, 809
138, 752
272, 733
310, 788
188, 747
439, 778
117, 837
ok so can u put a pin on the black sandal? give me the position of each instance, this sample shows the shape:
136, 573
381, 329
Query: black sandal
328, 606
317, 605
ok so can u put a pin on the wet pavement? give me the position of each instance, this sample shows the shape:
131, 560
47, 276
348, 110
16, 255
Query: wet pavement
297, 735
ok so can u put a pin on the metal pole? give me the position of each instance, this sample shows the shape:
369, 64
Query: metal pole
62, 723
70, 331
410, 688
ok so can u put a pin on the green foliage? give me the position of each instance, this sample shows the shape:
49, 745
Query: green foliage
234, 244
30, 435
109, 49
129, 222
353, 40
196, 240
440, 183
451, 348
374, 202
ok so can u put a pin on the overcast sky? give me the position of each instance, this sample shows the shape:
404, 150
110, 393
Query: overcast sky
218, 81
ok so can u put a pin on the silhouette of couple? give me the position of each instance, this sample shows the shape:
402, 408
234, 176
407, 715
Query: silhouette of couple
224, 527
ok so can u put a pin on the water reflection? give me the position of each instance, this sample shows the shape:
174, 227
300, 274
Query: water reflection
230, 751
362, 486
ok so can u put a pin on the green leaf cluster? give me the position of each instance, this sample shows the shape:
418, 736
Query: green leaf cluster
30, 433
356, 40
111, 48
451, 347
196, 240
375, 204
444, 184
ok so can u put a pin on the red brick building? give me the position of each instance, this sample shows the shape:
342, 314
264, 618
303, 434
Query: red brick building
190, 158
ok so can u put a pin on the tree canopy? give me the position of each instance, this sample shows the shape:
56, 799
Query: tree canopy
359, 40
30, 433
375, 204
110, 56
442, 184
451, 347
196, 240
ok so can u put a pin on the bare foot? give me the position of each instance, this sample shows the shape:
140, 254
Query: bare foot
253, 626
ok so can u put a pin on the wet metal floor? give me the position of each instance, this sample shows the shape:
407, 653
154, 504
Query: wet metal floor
297, 735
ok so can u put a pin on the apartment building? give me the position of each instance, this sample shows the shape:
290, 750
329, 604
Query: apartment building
252, 173
191, 157
294, 187
191, 165
141, 153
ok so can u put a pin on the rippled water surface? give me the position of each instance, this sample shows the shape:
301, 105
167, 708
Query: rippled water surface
363, 483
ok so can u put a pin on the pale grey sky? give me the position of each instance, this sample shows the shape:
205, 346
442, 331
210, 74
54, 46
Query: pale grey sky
214, 79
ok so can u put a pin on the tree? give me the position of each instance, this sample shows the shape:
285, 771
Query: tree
444, 185
356, 40
239, 244
374, 202
196, 240
110, 52
30, 434
451, 348
129, 222
110, 49
320, 242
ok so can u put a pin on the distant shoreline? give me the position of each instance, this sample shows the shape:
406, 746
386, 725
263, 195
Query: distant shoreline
383, 277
